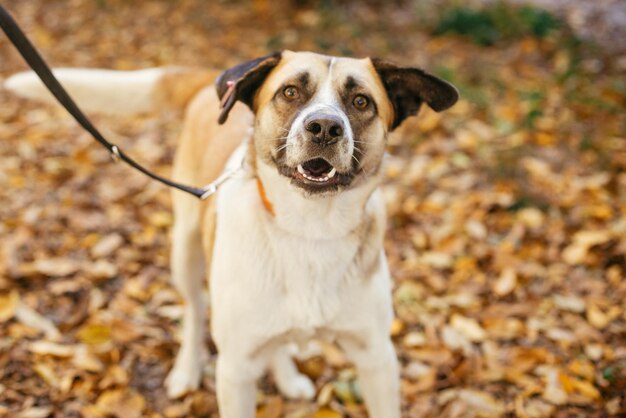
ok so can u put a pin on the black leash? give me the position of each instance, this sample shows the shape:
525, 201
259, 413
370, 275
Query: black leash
39, 66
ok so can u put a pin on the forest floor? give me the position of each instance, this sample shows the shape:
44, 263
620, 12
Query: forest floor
506, 233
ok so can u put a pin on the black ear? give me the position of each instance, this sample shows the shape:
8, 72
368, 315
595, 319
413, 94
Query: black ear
408, 88
242, 81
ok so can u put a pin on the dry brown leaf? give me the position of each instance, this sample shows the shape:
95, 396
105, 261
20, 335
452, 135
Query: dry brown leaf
121, 403
553, 390
468, 327
8, 305
596, 317
570, 303
273, 408
481, 403
414, 339
106, 245
85, 360
506, 283
49, 348
48, 374
36, 412
33, 319
56, 267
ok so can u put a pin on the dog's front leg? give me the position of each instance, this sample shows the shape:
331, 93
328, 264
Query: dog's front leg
379, 376
236, 387
188, 267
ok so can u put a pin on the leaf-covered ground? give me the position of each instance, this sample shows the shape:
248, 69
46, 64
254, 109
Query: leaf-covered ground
507, 218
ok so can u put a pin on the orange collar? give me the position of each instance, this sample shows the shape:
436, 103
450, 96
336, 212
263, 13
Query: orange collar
266, 203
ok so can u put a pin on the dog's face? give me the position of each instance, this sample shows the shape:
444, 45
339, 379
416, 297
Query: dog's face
323, 121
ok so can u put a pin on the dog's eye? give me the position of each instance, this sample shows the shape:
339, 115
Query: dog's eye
291, 92
360, 102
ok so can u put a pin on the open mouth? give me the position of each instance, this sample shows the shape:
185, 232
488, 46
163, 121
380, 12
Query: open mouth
317, 170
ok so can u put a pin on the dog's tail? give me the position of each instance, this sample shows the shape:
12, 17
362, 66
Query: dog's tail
118, 92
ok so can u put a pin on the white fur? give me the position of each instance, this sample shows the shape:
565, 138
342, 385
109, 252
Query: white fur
103, 91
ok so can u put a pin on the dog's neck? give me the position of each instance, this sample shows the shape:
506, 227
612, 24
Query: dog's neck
313, 217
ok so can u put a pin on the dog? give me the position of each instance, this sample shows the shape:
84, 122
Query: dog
293, 241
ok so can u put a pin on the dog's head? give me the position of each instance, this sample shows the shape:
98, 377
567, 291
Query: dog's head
323, 121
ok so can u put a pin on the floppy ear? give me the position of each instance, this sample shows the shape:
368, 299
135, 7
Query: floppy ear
242, 81
408, 88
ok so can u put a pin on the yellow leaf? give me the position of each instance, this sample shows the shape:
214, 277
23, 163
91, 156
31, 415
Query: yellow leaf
94, 334
531, 217
585, 388
47, 374
596, 317
397, 326
161, 219
121, 403
8, 305
326, 413
545, 138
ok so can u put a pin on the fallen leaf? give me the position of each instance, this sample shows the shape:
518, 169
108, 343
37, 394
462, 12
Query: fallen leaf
8, 305
94, 334
482, 403
596, 317
36, 412
468, 327
326, 413
106, 245
570, 303
56, 267
121, 403
33, 319
51, 348
506, 282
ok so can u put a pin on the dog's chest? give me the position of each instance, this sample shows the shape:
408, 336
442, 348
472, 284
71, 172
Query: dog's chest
312, 275
293, 281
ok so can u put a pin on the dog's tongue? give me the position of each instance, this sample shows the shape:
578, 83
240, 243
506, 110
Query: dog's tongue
317, 167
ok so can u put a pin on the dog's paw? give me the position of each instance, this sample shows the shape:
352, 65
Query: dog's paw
297, 387
182, 380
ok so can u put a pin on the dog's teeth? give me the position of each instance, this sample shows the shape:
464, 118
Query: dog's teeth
324, 179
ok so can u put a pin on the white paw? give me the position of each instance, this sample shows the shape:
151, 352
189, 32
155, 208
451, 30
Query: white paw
298, 387
183, 378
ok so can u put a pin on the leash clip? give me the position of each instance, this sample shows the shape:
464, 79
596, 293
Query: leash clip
115, 154
212, 187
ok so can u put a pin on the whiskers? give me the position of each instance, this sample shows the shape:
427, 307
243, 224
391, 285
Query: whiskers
356, 159
282, 147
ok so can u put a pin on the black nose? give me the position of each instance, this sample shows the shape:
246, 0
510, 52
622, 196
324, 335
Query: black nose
324, 129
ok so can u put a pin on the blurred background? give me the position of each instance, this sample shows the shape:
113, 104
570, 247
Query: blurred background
507, 213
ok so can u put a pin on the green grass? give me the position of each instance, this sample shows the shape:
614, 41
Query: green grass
496, 23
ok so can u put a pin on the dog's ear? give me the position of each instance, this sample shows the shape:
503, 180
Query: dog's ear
242, 81
408, 88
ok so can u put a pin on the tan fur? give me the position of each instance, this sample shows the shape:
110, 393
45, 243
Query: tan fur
178, 86
203, 150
